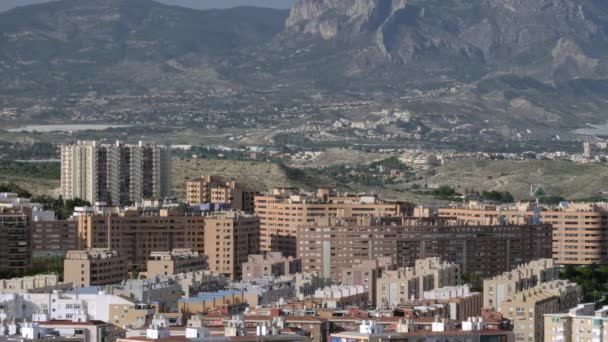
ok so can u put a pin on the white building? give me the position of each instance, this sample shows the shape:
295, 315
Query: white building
58, 305
115, 173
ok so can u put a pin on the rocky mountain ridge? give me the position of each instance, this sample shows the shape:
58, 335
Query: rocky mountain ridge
477, 64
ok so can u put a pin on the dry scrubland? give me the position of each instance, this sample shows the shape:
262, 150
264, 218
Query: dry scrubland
563, 178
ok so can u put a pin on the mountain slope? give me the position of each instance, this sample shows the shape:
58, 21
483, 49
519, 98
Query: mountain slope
68, 44
511, 62
460, 67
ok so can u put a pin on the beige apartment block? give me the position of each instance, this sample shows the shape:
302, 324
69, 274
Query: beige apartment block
577, 227
215, 189
333, 244
115, 173
462, 302
270, 264
582, 323
94, 267
131, 315
406, 283
28, 284
365, 273
175, 262
526, 309
497, 289
283, 210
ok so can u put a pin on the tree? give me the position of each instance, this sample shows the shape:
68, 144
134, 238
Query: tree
474, 280
496, 196
12, 187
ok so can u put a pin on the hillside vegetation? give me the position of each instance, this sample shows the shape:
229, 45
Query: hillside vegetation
559, 178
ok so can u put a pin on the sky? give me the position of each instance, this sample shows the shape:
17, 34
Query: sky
199, 4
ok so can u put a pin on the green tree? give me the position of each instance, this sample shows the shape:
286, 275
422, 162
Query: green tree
474, 281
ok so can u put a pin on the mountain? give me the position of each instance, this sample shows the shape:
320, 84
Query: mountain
535, 60
72, 44
6, 5
456, 67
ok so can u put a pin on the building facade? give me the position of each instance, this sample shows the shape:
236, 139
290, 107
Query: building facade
215, 189
284, 210
54, 237
229, 240
462, 302
405, 283
115, 173
498, 288
577, 227
331, 245
175, 261
94, 267
226, 238
270, 264
582, 323
365, 273
136, 234
15, 239
526, 309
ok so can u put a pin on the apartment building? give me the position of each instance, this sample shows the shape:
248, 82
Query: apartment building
41, 282
365, 273
497, 289
15, 239
175, 261
226, 238
526, 309
229, 240
577, 227
333, 244
115, 173
270, 264
137, 233
582, 323
53, 237
215, 189
59, 305
94, 267
405, 283
342, 297
283, 210
461, 301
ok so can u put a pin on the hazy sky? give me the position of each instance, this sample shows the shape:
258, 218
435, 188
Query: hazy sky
200, 4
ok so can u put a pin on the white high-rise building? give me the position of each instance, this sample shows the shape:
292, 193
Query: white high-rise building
115, 173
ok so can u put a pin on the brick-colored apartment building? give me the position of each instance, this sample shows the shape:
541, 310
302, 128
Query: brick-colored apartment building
53, 238
578, 237
270, 264
215, 189
227, 238
333, 244
15, 239
285, 209
137, 234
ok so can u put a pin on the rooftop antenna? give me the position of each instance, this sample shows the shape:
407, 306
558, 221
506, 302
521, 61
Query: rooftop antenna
537, 191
